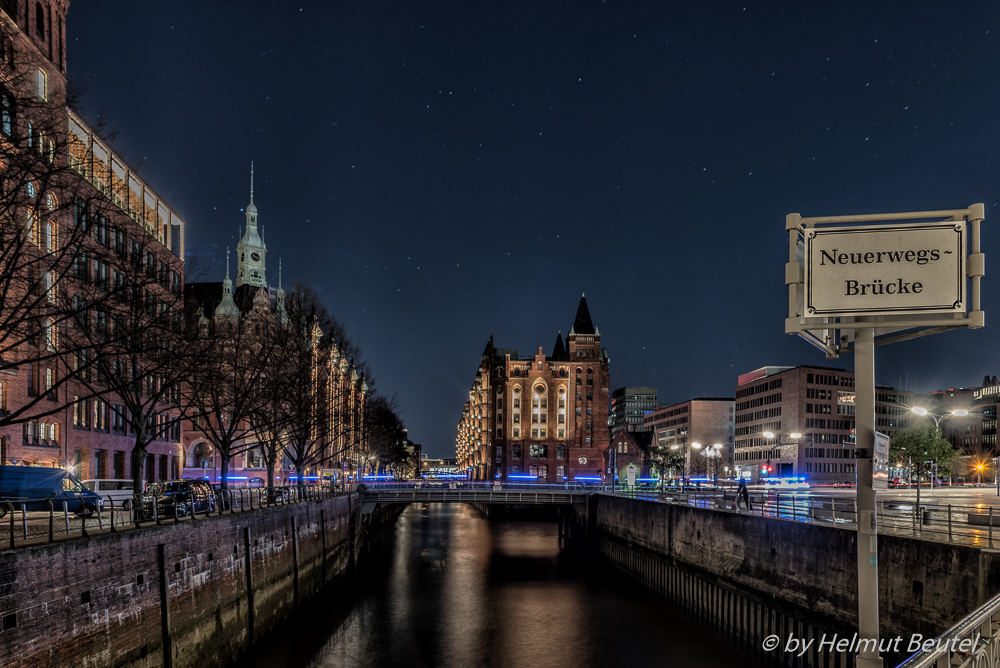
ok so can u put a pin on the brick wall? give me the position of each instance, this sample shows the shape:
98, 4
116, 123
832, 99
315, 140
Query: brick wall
99, 600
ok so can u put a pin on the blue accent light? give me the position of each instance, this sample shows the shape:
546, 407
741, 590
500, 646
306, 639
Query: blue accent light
586, 478
522, 477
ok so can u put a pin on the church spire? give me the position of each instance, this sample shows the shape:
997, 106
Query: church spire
227, 307
279, 298
251, 249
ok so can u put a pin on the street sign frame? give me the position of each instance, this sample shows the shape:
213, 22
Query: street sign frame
834, 332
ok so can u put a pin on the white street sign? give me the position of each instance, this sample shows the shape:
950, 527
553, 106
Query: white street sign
914, 268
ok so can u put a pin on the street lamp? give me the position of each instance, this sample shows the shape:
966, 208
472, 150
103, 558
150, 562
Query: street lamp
684, 463
714, 452
795, 436
923, 412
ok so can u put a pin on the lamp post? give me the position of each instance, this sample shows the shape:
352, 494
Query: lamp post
996, 475
714, 452
794, 436
684, 462
923, 412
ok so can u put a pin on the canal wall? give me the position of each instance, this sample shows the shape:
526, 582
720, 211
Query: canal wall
190, 595
756, 575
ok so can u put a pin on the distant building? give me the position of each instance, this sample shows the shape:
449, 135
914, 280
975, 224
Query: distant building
707, 422
432, 467
544, 416
816, 402
343, 394
629, 405
628, 456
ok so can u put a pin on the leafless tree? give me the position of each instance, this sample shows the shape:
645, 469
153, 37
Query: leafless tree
227, 391
133, 347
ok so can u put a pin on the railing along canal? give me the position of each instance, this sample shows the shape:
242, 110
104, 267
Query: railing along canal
974, 642
21, 526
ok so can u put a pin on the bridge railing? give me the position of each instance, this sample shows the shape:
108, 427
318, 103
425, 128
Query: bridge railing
974, 641
933, 519
28, 523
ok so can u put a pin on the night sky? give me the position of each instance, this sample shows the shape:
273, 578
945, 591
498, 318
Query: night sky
443, 171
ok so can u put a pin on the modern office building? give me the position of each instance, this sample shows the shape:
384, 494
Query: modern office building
629, 406
810, 412
703, 429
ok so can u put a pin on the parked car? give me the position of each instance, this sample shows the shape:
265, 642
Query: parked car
33, 486
182, 496
119, 491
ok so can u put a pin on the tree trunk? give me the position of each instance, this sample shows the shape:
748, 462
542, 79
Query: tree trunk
223, 472
138, 461
270, 480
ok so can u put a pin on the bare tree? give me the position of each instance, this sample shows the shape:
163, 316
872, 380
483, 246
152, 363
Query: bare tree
386, 436
227, 392
43, 240
132, 346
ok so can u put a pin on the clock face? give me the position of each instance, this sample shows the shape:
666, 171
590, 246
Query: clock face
255, 257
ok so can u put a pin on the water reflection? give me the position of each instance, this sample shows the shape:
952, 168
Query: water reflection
457, 591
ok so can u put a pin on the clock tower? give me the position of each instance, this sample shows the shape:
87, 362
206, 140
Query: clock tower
251, 250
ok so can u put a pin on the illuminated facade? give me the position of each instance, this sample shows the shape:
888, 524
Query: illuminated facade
543, 417
816, 402
339, 390
90, 436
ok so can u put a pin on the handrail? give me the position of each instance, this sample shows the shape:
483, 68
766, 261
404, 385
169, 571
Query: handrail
973, 641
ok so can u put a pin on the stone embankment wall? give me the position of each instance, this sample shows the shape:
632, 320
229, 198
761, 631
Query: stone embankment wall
757, 575
194, 594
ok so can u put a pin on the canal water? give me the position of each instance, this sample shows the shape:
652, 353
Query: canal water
450, 589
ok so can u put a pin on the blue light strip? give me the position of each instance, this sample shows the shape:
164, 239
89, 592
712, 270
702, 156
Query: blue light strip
522, 477
589, 479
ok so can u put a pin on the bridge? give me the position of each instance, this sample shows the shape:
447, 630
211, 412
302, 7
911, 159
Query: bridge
468, 492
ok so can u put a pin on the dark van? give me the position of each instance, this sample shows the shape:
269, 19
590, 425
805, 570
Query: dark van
34, 485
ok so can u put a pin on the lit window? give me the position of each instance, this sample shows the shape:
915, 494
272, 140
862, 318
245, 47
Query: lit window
50, 335
6, 113
43, 84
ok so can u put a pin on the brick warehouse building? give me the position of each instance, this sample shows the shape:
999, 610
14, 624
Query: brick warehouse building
541, 416
89, 436
344, 389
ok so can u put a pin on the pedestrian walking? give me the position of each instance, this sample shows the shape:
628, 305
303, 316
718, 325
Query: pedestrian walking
742, 494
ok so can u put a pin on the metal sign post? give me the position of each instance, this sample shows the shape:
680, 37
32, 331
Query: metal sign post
852, 286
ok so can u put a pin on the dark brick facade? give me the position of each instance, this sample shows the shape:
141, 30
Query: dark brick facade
86, 438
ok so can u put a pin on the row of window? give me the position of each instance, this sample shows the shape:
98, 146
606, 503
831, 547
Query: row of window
758, 415
169, 468
540, 471
828, 379
757, 389
41, 432
537, 451
759, 401
828, 453
99, 415
829, 467
820, 423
